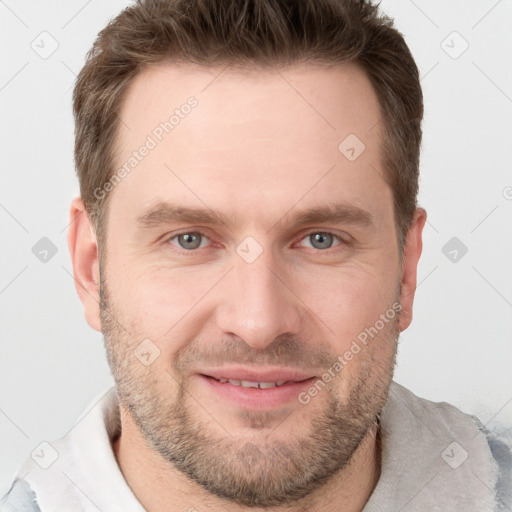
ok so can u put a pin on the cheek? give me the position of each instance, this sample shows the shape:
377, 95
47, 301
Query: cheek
348, 300
161, 304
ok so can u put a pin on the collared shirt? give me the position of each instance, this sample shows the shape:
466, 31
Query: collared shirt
434, 458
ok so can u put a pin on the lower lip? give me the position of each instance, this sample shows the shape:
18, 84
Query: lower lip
255, 398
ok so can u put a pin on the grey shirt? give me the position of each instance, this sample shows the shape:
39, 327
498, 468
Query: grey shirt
434, 458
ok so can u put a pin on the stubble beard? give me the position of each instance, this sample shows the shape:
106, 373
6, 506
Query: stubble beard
268, 471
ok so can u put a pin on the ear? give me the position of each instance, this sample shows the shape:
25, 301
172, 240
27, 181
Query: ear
412, 252
84, 256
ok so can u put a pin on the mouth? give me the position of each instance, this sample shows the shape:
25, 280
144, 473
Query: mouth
251, 384
256, 390
255, 384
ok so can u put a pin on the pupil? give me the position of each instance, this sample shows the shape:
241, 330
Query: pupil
189, 241
321, 240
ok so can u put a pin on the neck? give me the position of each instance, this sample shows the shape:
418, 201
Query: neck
156, 483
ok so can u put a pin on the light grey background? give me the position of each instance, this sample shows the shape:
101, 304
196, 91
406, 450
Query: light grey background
458, 348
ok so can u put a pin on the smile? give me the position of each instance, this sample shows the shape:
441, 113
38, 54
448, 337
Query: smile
250, 384
255, 389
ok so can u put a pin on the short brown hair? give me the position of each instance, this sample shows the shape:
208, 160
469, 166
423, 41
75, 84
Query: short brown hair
259, 33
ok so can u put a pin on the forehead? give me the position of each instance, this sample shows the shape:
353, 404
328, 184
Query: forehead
255, 101
280, 132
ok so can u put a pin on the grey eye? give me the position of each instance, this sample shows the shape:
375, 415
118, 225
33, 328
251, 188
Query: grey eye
321, 240
189, 240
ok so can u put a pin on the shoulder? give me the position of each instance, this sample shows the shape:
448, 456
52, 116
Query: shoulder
20, 498
454, 444
500, 443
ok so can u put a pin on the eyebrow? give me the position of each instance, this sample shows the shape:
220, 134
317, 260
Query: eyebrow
167, 213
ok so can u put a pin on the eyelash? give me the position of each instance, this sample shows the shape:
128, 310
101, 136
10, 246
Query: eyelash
193, 252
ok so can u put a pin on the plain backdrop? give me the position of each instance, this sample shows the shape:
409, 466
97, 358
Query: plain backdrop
458, 349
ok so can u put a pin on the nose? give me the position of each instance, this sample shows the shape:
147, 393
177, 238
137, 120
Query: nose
258, 303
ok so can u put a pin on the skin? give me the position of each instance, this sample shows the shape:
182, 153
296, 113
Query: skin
259, 147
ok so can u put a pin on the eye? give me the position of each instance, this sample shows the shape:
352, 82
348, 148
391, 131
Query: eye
189, 241
192, 240
322, 240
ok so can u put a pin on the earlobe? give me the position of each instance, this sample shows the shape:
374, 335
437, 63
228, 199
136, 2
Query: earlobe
83, 249
412, 252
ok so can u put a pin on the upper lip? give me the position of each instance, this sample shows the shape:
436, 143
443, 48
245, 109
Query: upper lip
257, 375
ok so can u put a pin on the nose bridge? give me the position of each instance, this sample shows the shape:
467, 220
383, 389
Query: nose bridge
256, 304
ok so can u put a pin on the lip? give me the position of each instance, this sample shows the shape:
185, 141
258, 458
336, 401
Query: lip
253, 375
256, 399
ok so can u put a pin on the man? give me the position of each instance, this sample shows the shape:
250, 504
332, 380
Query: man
247, 240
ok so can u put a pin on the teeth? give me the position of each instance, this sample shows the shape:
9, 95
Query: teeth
250, 384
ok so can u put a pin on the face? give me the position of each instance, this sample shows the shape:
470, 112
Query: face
250, 282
